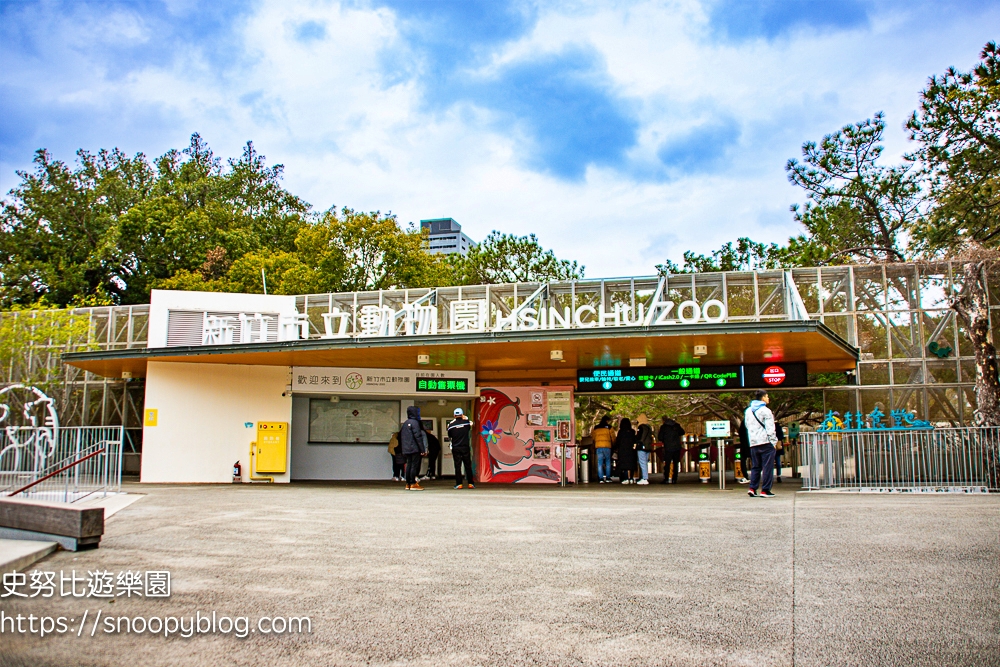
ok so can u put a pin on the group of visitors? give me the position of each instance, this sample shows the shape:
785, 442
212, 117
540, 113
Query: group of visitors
414, 442
631, 448
761, 444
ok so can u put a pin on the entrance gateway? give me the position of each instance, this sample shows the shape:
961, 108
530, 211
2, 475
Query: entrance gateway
341, 369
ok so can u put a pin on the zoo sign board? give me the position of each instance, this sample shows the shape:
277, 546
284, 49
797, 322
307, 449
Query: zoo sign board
474, 316
382, 381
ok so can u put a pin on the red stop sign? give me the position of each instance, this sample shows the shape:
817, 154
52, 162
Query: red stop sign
774, 375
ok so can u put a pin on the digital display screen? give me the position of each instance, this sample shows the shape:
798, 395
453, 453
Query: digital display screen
691, 378
443, 385
766, 376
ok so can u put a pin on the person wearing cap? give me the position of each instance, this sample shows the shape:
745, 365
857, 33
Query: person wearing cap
643, 446
460, 432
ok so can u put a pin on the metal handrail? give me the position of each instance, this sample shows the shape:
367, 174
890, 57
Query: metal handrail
56, 472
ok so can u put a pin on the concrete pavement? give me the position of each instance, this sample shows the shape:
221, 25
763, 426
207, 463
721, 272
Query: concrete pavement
605, 575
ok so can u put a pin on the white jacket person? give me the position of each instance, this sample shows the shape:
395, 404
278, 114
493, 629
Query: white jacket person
760, 424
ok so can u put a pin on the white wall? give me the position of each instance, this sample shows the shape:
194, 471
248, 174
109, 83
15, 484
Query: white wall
163, 301
202, 409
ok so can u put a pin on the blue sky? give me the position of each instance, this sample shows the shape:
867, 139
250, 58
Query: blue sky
621, 133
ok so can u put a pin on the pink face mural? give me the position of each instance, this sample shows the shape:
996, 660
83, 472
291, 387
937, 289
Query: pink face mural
503, 454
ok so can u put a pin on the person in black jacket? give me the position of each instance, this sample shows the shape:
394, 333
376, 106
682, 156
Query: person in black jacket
414, 445
744, 451
625, 446
643, 447
460, 432
670, 434
433, 452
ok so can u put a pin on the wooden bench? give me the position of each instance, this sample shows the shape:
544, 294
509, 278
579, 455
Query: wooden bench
74, 528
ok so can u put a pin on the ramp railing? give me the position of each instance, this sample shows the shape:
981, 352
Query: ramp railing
76, 463
919, 460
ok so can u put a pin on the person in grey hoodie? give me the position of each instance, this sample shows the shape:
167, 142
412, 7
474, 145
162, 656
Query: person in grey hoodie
414, 445
760, 427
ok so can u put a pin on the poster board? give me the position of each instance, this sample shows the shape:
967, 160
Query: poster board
517, 434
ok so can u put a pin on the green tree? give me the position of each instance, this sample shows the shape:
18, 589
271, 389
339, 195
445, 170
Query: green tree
505, 258
958, 130
858, 210
353, 251
744, 255
57, 230
115, 225
32, 340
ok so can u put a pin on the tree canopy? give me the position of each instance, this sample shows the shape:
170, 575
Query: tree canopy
943, 196
505, 258
957, 130
111, 227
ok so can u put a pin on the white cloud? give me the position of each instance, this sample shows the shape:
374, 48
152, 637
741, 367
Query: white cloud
349, 134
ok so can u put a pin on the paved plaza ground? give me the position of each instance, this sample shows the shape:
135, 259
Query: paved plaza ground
600, 575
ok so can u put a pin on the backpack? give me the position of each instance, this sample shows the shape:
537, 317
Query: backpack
645, 438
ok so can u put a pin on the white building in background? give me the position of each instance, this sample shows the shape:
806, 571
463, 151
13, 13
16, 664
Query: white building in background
446, 237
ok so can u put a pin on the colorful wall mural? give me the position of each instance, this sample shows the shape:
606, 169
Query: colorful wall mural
518, 434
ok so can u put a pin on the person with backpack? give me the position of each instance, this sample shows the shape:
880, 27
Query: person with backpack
643, 447
625, 448
604, 437
414, 446
433, 452
460, 430
745, 461
760, 428
670, 435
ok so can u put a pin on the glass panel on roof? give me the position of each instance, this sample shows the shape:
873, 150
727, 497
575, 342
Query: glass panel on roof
910, 399
679, 290
771, 288
933, 283
965, 347
942, 371
901, 283
841, 401
967, 400
140, 328
872, 336
876, 398
869, 292
905, 336
943, 406
836, 294
740, 296
907, 372
842, 325
873, 373
805, 283
938, 328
